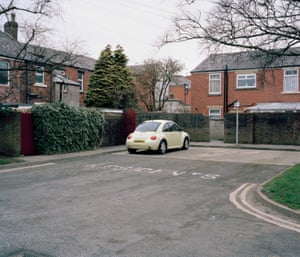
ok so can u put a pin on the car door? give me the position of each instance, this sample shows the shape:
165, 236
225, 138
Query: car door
172, 133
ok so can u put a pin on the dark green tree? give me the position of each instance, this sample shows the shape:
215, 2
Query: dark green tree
111, 84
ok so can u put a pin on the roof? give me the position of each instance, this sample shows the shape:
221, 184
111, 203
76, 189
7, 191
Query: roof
275, 107
179, 80
61, 78
11, 48
245, 61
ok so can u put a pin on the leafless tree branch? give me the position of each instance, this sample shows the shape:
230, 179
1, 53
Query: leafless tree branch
266, 26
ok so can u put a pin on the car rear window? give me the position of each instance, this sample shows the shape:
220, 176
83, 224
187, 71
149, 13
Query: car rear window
148, 126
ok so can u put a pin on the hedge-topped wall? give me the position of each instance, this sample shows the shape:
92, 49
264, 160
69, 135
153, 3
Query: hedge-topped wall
264, 128
59, 128
196, 125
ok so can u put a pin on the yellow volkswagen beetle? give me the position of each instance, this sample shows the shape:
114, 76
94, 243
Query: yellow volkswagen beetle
157, 135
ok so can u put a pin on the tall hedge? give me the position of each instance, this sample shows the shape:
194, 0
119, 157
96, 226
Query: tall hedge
59, 128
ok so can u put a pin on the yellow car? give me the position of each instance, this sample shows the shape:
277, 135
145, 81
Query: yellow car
157, 135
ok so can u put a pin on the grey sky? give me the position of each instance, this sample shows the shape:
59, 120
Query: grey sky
134, 24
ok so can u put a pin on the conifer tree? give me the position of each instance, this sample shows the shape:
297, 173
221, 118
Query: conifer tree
111, 84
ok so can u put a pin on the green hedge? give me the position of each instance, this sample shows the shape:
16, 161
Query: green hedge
59, 128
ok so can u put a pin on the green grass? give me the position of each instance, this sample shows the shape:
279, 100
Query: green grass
6, 160
285, 189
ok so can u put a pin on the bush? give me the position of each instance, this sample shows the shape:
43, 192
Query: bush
5, 111
59, 128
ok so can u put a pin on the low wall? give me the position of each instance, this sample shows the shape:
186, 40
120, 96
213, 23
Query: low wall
216, 128
10, 134
114, 131
264, 128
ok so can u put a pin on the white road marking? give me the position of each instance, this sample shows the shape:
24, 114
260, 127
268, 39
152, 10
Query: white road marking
177, 173
28, 167
111, 167
238, 198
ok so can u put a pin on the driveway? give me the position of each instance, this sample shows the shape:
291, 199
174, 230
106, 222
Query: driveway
140, 205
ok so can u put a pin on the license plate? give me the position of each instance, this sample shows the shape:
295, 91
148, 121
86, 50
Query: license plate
139, 141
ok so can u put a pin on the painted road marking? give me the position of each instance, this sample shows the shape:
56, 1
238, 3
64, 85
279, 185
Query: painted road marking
111, 167
28, 167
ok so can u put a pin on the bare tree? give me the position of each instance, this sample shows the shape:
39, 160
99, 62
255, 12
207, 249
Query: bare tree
28, 50
269, 26
33, 15
154, 80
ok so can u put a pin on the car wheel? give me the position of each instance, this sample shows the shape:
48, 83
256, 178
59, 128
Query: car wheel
131, 150
162, 149
186, 144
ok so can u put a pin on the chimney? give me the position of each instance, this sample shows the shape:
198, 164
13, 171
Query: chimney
11, 27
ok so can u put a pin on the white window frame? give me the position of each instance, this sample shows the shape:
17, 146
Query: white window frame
65, 88
80, 80
39, 72
244, 77
212, 86
214, 113
6, 84
293, 78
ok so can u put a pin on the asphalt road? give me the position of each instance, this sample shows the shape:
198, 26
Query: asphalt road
142, 205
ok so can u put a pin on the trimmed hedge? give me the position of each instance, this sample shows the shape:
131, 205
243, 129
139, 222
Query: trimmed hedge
59, 128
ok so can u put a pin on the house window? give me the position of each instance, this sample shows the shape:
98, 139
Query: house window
4, 73
291, 83
39, 75
214, 114
80, 80
245, 81
215, 84
65, 88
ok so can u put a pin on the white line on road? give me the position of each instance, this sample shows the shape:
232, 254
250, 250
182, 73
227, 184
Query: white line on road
243, 205
28, 167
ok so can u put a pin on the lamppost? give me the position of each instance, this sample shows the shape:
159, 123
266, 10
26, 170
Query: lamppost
186, 90
236, 106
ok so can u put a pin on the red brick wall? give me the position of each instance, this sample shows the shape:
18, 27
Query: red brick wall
178, 93
16, 89
269, 88
43, 91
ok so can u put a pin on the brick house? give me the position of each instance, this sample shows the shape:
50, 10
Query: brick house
179, 95
33, 74
222, 79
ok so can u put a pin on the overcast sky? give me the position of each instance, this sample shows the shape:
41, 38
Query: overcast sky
134, 24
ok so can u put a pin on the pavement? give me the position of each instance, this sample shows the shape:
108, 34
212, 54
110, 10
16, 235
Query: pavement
248, 197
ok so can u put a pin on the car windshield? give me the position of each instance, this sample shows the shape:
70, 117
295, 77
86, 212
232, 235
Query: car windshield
147, 126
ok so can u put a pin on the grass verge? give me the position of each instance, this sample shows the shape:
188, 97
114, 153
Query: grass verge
285, 189
7, 160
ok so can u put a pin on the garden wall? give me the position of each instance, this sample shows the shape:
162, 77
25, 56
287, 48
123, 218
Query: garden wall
264, 128
10, 134
196, 125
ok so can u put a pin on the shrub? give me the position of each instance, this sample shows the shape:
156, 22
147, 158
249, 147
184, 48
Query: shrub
59, 128
5, 111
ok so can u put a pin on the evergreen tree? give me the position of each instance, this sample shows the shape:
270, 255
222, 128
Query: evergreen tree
111, 84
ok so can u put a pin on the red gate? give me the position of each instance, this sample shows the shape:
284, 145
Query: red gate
129, 121
27, 140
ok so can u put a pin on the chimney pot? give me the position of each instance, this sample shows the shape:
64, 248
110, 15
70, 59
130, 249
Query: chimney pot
11, 27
